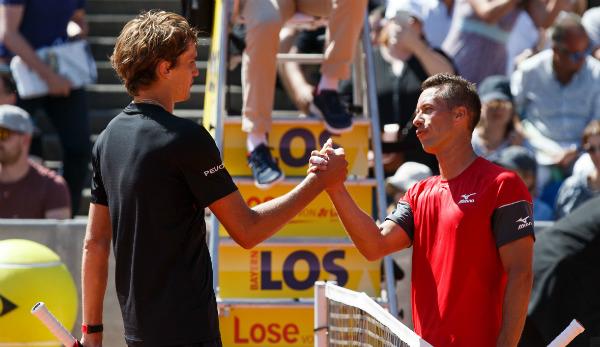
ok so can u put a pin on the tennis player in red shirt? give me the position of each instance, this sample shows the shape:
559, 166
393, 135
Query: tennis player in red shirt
471, 228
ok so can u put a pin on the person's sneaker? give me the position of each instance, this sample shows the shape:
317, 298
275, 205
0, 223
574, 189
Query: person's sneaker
326, 104
264, 168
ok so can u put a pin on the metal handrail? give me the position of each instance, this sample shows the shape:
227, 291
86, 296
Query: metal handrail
373, 112
219, 115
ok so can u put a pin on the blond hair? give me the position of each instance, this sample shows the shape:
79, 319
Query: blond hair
147, 40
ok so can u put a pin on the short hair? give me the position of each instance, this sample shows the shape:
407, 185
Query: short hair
146, 40
456, 91
592, 129
565, 22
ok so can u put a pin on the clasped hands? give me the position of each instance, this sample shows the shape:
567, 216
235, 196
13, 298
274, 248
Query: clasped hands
329, 165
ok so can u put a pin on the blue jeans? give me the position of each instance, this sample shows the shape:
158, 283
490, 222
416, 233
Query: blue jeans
69, 116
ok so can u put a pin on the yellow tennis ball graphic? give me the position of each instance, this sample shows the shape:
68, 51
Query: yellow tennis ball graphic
30, 272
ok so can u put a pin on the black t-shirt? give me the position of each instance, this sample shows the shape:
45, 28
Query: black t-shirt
157, 173
566, 268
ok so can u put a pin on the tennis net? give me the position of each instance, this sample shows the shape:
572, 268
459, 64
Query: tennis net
344, 317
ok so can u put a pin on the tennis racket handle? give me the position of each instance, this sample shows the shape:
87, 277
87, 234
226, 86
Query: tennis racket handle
47, 318
574, 329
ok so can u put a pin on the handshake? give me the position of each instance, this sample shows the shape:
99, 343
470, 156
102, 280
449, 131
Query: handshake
329, 165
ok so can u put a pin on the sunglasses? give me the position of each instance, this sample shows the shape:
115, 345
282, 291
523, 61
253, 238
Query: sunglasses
575, 56
592, 149
5, 134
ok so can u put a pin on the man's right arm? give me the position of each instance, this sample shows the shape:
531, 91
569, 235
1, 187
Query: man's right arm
373, 242
94, 273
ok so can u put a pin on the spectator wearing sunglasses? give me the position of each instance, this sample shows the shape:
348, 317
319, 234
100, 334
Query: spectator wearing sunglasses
27, 190
578, 188
557, 94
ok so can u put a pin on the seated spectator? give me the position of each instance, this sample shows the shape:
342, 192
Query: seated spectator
405, 177
580, 187
521, 161
26, 26
435, 15
496, 128
481, 28
27, 189
557, 93
565, 279
264, 20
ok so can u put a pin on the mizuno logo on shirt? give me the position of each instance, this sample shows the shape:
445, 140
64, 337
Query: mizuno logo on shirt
466, 199
525, 222
213, 170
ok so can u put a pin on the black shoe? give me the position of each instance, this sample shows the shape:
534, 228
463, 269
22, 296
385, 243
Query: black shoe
326, 104
264, 168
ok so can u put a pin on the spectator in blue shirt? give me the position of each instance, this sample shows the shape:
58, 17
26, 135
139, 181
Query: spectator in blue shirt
557, 93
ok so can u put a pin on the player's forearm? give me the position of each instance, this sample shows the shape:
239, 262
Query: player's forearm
268, 217
360, 226
94, 277
514, 309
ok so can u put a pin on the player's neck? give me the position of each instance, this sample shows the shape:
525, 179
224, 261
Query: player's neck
455, 159
156, 96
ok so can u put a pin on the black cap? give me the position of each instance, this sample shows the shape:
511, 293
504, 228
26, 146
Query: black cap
495, 87
517, 158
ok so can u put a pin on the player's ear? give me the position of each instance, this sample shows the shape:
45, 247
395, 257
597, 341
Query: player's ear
461, 114
163, 69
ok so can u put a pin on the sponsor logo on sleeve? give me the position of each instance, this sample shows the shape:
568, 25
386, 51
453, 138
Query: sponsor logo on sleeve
214, 170
524, 222
466, 199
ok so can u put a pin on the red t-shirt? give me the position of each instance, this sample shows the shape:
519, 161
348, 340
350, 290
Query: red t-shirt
39, 191
458, 280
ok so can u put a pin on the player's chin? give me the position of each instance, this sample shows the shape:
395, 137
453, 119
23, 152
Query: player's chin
183, 98
427, 148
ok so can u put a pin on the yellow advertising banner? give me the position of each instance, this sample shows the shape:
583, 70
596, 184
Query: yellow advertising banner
266, 325
210, 113
292, 141
319, 218
289, 270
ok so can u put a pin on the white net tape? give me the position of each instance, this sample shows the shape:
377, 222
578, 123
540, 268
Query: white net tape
354, 319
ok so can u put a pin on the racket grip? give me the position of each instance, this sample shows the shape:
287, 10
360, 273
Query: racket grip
574, 329
47, 318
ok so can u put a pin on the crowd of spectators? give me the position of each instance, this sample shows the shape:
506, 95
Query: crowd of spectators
535, 63
25, 27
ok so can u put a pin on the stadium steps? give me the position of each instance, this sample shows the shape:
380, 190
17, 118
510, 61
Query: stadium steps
107, 97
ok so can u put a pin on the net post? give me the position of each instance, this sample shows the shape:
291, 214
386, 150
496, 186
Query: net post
320, 331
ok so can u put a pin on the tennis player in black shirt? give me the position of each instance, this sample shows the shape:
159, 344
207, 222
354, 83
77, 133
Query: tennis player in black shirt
153, 175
